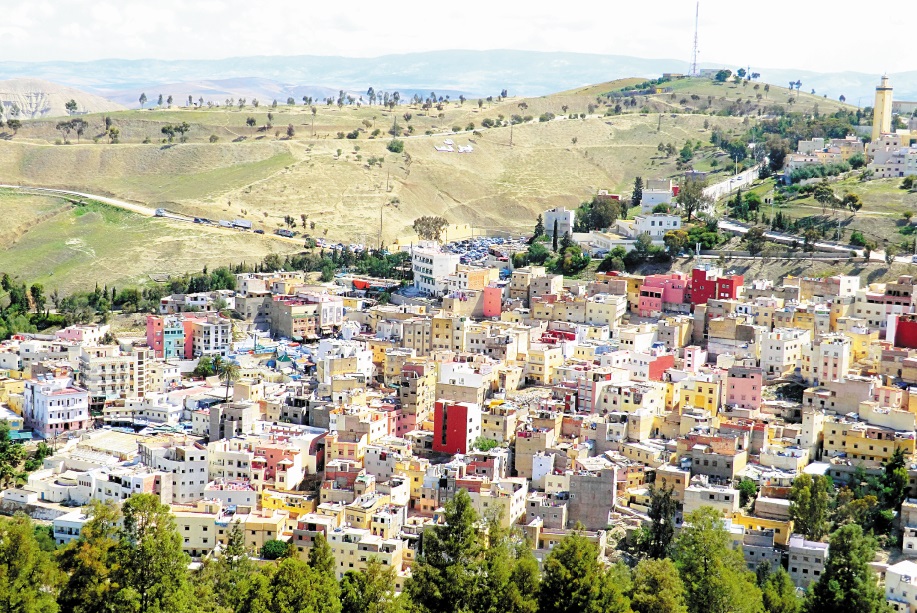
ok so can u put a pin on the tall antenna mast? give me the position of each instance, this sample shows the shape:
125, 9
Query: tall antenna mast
694, 57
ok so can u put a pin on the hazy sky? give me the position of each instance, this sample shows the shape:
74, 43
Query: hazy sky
801, 34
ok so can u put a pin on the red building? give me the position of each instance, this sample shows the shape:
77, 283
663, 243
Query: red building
659, 365
456, 426
707, 284
906, 331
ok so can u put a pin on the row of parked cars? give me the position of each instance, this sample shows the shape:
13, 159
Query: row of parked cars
476, 250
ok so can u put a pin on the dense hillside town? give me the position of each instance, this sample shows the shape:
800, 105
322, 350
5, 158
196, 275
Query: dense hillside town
561, 409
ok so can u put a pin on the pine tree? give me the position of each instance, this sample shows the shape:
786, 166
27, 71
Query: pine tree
574, 581
662, 522
150, 567
554, 237
28, 576
848, 583
658, 588
637, 196
445, 572
88, 562
715, 577
539, 226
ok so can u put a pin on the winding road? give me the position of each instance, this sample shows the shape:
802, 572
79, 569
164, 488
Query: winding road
137, 208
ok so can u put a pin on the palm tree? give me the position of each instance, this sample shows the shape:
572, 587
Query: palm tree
230, 373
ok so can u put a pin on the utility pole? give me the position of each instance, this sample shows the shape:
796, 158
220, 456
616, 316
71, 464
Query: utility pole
511, 133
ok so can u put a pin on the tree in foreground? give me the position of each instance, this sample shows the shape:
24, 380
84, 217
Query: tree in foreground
778, 593
28, 576
444, 576
574, 581
371, 590
88, 562
658, 588
848, 583
715, 577
810, 498
223, 582
150, 569
661, 534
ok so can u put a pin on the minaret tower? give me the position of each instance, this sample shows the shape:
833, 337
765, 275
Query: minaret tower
882, 111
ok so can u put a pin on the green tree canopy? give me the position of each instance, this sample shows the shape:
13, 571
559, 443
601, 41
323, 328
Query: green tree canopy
574, 581
28, 576
848, 583
658, 588
810, 499
150, 568
715, 577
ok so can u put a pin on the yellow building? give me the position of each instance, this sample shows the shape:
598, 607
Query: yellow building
882, 110
353, 547
860, 340
705, 395
359, 513
296, 504
262, 526
449, 332
10, 386
541, 362
414, 469
782, 529
197, 526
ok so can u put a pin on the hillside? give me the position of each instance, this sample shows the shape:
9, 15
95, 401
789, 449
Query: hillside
229, 169
65, 246
36, 98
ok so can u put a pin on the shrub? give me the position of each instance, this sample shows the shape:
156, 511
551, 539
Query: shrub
274, 549
395, 146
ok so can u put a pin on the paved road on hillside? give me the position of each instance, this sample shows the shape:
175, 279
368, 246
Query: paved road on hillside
121, 204
137, 208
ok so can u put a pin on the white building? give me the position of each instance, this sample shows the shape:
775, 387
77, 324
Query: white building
655, 224
53, 407
565, 221
68, 526
806, 560
431, 266
162, 376
211, 336
782, 350
827, 361
188, 465
108, 373
901, 586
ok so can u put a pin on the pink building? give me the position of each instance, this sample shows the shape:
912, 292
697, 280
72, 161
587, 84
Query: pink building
743, 387
493, 300
694, 358
90, 334
658, 291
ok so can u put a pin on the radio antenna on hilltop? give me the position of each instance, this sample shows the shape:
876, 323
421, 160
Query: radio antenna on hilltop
694, 57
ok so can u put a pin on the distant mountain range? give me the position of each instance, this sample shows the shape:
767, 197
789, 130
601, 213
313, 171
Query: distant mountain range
473, 73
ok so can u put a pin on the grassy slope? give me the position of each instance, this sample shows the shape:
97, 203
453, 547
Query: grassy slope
96, 243
880, 218
264, 176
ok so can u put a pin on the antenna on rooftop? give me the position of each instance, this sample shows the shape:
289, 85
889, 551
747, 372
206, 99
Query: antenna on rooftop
694, 56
